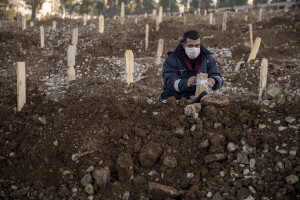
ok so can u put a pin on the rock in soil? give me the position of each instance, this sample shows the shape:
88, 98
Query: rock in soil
102, 176
159, 192
124, 167
150, 153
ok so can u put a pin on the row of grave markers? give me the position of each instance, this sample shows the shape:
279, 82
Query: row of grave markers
212, 19
129, 57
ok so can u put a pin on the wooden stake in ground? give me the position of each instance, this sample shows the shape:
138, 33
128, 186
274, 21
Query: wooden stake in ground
160, 14
147, 37
210, 18
200, 84
224, 21
205, 12
21, 85
254, 49
42, 34
214, 21
31, 24
236, 10
159, 51
122, 13
263, 78
251, 36
246, 18
54, 25
71, 62
23, 23
84, 19
101, 24
260, 14
129, 59
146, 15
75, 36
136, 20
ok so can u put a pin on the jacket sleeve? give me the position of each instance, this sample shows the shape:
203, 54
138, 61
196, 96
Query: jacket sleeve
213, 72
171, 76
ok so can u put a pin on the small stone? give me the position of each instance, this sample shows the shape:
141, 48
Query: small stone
89, 189
262, 126
251, 189
102, 176
126, 195
209, 194
246, 172
280, 165
155, 113
292, 179
87, 179
252, 163
158, 191
282, 128
215, 99
124, 167
149, 154
190, 175
179, 132
193, 128
215, 157
232, 147
152, 173
293, 152
273, 89
242, 158
222, 173
290, 120
204, 144
90, 169
192, 109
170, 161
55, 143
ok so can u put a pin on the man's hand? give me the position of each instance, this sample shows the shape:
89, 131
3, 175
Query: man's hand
212, 81
191, 81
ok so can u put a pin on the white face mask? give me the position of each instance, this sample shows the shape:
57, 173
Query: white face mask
191, 52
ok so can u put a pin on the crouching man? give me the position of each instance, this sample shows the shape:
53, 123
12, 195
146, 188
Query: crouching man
181, 67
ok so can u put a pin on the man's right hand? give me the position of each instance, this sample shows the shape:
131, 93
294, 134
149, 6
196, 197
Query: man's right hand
191, 81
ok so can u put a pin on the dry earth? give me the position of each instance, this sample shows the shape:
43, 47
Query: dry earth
98, 138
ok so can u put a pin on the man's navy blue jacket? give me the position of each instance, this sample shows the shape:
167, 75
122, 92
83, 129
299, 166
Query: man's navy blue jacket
176, 74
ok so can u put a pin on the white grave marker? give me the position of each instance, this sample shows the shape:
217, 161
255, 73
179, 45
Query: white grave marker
260, 14
263, 78
75, 36
251, 36
147, 37
129, 59
21, 85
254, 49
84, 19
42, 35
23, 23
159, 51
54, 25
71, 62
122, 13
101, 24
210, 18
224, 21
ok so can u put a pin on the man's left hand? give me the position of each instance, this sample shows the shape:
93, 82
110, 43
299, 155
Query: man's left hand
212, 81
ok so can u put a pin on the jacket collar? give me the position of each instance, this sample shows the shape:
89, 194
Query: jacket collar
204, 50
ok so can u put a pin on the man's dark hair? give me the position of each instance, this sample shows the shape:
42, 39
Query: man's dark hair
191, 34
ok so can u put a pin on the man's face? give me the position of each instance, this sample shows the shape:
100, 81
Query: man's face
191, 43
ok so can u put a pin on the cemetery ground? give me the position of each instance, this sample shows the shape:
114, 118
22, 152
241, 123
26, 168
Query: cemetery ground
99, 138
